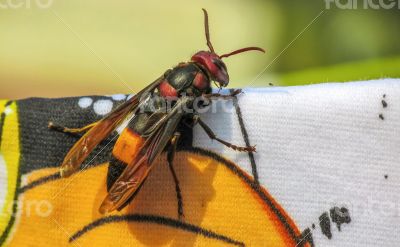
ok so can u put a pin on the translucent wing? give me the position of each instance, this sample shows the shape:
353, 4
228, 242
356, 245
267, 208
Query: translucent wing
137, 171
85, 145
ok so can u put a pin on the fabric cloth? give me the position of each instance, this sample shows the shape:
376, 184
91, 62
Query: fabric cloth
326, 173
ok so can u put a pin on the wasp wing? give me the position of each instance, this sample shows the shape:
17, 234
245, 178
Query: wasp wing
85, 145
137, 171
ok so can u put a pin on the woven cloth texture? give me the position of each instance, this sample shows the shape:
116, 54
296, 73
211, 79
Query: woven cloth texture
326, 173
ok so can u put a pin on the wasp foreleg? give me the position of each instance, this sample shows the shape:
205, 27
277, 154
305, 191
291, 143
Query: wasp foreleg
233, 94
170, 159
213, 136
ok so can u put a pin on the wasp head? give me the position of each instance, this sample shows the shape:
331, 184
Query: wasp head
214, 66
212, 62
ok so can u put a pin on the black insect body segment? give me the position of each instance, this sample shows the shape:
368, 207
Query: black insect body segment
156, 115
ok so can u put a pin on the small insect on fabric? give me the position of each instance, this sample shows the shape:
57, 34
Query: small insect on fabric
155, 114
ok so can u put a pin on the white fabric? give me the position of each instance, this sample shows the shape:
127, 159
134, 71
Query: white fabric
321, 146
3, 182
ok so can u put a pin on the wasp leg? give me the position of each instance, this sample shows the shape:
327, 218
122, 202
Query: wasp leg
70, 130
212, 135
170, 159
233, 94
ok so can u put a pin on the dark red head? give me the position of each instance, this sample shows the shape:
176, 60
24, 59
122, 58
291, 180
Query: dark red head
213, 62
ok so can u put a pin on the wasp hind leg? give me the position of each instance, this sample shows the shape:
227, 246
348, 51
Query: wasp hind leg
73, 131
170, 159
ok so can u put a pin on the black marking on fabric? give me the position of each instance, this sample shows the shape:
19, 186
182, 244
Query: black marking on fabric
251, 182
46, 179
384, 103
246, 138
340, 216
2, 119
38, 182
306, 238
386, 176
160, 220
325, 224
381, 116
313, 226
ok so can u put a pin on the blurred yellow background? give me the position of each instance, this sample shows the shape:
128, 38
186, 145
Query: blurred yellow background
77, 47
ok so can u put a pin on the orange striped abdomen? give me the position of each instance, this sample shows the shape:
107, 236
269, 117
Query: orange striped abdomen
127, 146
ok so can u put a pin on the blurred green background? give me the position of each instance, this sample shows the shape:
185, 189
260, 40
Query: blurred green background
80, 47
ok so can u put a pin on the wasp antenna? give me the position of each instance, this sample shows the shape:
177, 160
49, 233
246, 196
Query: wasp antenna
243, 50
207, 30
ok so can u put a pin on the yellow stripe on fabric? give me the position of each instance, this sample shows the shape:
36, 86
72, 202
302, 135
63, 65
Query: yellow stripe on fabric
10, 155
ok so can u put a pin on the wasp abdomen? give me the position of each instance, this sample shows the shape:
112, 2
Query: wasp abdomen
128, 146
